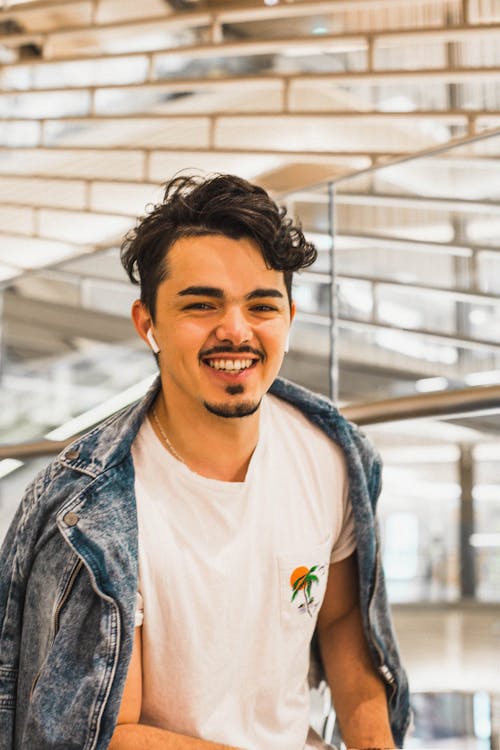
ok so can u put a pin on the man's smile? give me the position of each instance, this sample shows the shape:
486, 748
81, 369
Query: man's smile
231, 365
230, 362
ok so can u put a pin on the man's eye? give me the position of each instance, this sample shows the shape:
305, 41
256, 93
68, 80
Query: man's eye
199, 306
263, 308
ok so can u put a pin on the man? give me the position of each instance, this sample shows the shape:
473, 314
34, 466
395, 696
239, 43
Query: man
163, 579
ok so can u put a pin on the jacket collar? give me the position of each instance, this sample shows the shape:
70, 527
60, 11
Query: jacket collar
109, 442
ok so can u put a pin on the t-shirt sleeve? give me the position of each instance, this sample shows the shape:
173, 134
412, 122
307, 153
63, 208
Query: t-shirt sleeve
345, 543
139, 611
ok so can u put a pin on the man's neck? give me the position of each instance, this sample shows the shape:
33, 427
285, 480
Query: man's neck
212, 446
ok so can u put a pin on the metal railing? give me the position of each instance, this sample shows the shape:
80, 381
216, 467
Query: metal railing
443, 405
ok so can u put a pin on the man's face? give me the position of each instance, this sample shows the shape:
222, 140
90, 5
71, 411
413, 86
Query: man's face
222, 318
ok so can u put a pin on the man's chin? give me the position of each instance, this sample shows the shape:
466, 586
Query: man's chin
232, 411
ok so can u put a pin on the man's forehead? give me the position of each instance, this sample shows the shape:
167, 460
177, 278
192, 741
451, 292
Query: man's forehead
217, 260
211, 246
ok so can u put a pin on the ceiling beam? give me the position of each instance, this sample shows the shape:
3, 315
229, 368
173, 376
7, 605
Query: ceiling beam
447, 74
64, 320
470, 296
417, 201
236, 14
452, 116
364, 326
404, 243
463, 342
335, 43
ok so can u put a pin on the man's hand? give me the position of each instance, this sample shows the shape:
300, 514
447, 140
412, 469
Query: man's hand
357, 691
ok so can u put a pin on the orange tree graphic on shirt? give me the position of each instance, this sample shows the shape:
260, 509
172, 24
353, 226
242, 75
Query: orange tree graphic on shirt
302, 579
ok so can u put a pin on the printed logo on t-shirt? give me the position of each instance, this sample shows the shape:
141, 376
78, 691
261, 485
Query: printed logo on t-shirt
304, 582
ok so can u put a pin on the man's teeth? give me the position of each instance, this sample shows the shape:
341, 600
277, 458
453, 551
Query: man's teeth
230, 364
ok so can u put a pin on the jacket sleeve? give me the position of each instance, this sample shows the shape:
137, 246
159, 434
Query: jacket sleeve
15, 562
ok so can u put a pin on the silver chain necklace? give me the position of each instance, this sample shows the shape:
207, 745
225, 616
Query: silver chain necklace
165, 438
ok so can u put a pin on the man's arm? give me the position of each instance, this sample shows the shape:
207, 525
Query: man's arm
130, 735
357, 691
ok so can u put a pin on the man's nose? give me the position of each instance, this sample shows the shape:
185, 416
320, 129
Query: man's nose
234, 327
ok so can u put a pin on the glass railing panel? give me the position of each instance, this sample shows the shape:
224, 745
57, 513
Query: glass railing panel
451, 719
377, 362
68, 345
417, 270
34, 402
419, 513
423, 234
421, 504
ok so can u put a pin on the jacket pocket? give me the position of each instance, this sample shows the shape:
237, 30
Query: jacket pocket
68, 583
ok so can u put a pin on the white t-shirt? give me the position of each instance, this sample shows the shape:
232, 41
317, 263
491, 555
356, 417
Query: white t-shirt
225, 641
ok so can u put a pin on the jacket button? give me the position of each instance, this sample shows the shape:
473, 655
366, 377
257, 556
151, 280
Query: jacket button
72, 455
71, 519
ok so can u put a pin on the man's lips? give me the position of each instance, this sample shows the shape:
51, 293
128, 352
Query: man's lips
223, 352
232, 363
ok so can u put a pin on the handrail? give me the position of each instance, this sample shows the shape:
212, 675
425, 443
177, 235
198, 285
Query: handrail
449, 404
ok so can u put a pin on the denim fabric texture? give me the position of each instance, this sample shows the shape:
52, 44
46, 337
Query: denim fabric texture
68, 580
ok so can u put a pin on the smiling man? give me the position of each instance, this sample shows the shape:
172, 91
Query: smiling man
171, 579
220, 323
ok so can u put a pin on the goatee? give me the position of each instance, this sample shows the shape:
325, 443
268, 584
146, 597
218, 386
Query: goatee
233, 411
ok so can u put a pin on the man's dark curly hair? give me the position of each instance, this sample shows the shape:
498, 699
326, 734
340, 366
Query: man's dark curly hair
219, 204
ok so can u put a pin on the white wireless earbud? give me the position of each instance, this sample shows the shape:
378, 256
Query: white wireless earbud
152, 341
287, 343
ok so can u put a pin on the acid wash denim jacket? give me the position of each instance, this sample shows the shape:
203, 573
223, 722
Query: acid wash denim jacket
68, 581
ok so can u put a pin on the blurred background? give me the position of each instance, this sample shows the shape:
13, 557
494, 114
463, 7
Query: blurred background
377, 123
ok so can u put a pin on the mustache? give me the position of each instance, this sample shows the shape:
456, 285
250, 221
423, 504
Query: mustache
232, 350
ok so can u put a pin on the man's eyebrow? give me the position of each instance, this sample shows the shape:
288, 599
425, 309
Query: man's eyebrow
213, 291
258, 293
201, 291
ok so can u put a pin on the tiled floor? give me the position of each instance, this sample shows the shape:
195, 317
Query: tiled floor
450, 647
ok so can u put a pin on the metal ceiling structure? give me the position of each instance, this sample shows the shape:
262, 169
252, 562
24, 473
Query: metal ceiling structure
103, 100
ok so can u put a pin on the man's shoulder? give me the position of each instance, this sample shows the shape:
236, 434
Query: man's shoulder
324, 414
89, 455
315, 407
302, 398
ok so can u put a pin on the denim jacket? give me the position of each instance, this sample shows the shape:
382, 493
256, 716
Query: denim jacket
68, 580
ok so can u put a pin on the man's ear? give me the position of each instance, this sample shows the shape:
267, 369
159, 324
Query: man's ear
141, 319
